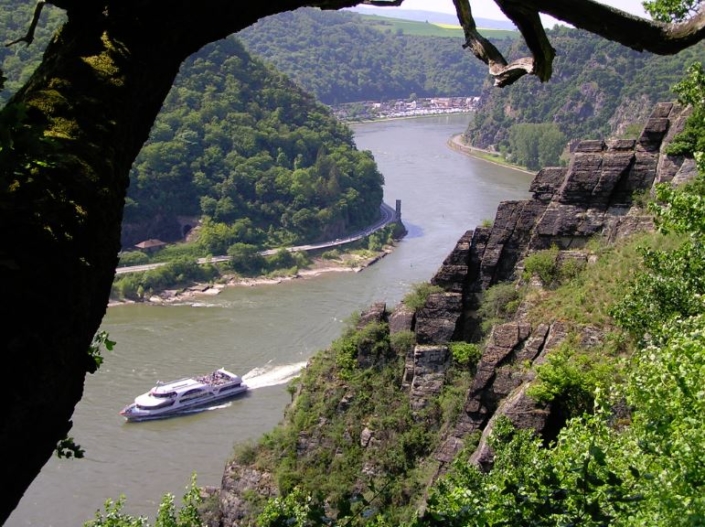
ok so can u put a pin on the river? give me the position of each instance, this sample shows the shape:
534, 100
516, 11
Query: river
265, 333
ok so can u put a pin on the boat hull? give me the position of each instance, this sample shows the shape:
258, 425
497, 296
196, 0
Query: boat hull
133, 414
184, 396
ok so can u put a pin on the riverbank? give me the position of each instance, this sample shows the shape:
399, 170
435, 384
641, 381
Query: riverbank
457, 143
346, 263
352, 122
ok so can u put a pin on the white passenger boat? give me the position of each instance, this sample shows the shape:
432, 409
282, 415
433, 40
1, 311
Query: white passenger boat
167, 399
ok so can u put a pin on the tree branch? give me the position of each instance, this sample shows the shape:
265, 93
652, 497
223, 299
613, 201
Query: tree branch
613, 24
29, 37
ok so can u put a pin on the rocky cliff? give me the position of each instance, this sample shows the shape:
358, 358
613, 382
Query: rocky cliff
592, 196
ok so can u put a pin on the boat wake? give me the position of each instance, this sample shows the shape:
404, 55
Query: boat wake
272, 375
208, 408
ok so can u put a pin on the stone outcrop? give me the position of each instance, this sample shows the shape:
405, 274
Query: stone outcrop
592, 196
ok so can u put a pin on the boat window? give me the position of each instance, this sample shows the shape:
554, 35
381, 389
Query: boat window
165, 395
162, 404
193, 394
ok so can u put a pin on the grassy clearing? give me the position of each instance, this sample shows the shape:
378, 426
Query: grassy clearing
426, 29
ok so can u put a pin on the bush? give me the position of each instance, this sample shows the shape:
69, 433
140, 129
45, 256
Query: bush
465, 354
245, 259
402, 341
167, 516
542, 264
129, 258
571, 269
333, 254
499, 303
570, 377
419, 294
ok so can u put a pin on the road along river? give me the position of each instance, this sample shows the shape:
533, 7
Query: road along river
264, 333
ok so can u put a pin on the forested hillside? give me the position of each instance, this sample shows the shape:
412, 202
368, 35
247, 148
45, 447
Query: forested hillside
598, 90
344, 57
238, 142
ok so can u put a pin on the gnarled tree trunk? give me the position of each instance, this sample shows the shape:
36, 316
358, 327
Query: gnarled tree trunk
95, 96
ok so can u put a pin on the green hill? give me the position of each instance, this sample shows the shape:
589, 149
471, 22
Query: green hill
239, 143
235, 141
345, 57
599, 89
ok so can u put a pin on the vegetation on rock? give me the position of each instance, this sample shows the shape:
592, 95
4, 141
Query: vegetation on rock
599, 90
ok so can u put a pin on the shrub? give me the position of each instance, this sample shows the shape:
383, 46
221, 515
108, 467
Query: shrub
419, 294
167, 516
499, 303
129, 258
542, 264
571, 269
402, 341
465, 354
570, 377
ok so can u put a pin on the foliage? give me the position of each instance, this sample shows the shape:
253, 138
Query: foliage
238, 143
670, 287
128, 258
498, 304
18, 62
372, 340
543, 264
690, 91
671, 10
348, 450
67, 449
465, 354
647, 473
570, 377
636, 459
419, 294
674, 280
296, 509
100, 340
335, 56
167, 516
536, 145
402, 341
134, 286
599, 88
246, 259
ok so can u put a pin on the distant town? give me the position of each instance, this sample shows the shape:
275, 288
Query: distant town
413, 107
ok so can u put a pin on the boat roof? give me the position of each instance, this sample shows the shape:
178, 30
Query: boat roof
188, 383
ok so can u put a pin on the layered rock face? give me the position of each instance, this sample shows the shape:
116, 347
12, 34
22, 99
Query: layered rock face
591, 197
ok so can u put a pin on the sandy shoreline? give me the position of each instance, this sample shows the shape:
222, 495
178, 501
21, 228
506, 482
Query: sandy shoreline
195, 292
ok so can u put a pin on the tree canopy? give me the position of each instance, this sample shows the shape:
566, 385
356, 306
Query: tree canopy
237, 140
69, 139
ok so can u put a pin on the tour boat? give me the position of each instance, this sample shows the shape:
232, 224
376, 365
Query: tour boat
167, 399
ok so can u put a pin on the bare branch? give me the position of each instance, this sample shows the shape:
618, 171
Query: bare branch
611, 23
29, 37
484, 50
529, 24
614, 24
